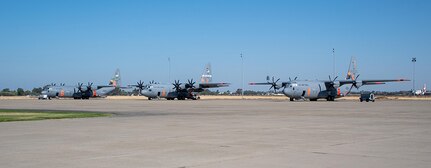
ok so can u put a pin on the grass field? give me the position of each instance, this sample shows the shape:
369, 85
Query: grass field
29, 115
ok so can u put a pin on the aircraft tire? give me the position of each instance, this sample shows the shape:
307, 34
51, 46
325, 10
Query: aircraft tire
313, 99
292, 99
330, 98
149, 98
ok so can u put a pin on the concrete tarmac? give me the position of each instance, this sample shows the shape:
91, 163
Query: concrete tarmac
221, 133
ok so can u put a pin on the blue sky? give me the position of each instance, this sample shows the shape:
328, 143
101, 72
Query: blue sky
79, 41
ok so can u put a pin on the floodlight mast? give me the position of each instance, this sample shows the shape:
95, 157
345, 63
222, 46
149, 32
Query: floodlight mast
242, 76
414, 69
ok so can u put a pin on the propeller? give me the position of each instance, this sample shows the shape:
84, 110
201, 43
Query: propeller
332, 80
190, 84
89, 86
293, 79
140, 85
274, 84
89, 91
354, 84
177, 85
80, 87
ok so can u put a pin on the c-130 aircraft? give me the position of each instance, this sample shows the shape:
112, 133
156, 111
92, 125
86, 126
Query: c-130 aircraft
80, 91
321, 89
177, 90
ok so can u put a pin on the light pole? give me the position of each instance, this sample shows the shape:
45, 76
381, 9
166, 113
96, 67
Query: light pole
169, 60
242, 76
333, 62
414, 69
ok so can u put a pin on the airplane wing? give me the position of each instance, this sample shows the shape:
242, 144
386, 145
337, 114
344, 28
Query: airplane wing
213, 85
370, 82
266, 83
204, 86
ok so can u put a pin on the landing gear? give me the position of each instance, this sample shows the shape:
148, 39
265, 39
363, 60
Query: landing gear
292, 99
330, 98
313, 99
149, 98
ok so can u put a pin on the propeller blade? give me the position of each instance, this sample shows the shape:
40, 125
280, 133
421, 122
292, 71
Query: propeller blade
351, 87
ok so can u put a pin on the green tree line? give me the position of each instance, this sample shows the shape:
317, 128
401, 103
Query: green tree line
21, 92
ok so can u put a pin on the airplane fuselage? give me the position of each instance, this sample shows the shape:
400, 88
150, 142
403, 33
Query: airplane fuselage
166, 91
312, 90
71, 92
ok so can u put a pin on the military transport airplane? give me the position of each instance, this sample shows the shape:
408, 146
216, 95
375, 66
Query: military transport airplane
177, 90
320, 89
80, 91
421, 92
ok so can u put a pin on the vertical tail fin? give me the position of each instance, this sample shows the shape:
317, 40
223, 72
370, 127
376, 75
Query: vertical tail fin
352, 71
207, 74
116, 79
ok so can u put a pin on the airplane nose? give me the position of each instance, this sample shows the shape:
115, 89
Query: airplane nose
287, 92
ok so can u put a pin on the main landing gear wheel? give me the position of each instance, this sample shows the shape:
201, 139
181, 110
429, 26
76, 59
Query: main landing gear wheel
330, 98
292, 99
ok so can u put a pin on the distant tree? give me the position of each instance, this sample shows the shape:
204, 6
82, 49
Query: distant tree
119, 92
208, 92
20, 92
7, 92
251, 92
238, 91
27, 92
36, 91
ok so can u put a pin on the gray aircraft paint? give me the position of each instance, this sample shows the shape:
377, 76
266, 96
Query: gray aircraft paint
325, 89
62, 91
170, 92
